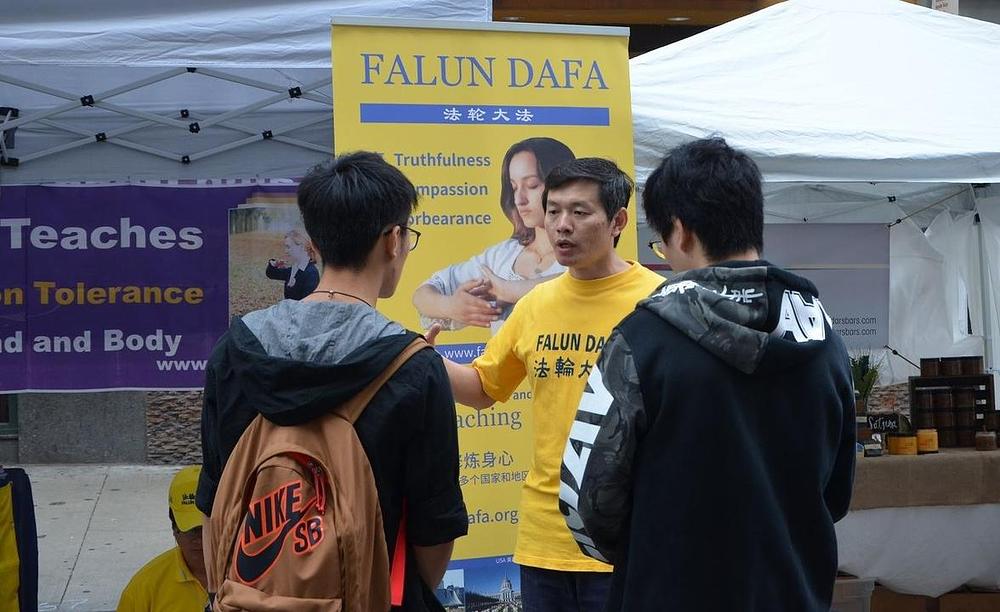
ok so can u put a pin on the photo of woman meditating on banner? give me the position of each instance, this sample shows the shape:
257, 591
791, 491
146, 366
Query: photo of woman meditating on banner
481, 291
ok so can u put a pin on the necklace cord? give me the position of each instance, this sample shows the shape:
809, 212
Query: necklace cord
332, 292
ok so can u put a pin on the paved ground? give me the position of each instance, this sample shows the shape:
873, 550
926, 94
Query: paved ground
97, 525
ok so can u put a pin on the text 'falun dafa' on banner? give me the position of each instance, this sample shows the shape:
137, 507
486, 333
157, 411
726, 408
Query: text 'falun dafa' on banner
476, 115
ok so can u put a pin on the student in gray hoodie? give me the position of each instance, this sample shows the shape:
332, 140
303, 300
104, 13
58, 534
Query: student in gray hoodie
298, 359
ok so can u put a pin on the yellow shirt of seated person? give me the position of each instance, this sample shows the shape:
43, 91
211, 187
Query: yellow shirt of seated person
173, 581
165, 584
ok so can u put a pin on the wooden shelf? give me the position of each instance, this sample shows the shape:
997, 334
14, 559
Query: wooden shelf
961, 380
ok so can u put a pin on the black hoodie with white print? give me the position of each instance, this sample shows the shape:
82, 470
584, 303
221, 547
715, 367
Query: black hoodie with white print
714, 447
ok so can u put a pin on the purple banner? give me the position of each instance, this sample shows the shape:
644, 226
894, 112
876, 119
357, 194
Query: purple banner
121, 287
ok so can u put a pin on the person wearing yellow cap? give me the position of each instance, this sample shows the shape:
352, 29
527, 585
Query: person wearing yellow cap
175, 580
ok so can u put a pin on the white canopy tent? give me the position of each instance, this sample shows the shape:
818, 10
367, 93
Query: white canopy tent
261, 73
857, 111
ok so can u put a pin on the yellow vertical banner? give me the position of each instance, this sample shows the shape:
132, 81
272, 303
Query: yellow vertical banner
475, 115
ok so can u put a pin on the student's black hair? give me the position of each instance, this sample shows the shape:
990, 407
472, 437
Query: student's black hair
715, 191
349, 202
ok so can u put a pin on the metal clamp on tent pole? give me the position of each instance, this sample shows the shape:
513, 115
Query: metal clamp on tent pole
87, 100
7, 113
294, 92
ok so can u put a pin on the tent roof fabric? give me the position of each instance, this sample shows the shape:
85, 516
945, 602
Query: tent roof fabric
54, 52
831, 91
219, 33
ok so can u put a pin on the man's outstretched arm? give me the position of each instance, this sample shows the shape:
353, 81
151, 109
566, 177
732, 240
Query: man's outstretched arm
466, 385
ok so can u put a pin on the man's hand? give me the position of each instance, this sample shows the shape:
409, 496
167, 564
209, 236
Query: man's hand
432, 334
466, 307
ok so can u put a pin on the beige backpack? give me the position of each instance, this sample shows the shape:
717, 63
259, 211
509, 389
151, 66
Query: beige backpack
296, 523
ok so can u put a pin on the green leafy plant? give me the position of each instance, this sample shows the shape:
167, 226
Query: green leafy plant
865, 370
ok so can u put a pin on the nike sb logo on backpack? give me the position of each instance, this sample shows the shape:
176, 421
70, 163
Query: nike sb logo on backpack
271, 519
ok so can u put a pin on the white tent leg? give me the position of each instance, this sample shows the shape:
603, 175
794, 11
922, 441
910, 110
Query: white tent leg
985, 289
985, 293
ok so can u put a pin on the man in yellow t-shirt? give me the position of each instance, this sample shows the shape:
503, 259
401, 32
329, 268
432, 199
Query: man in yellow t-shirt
553, 337
175, 580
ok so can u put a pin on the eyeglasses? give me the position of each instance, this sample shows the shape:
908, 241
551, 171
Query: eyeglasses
656, 246
412, 235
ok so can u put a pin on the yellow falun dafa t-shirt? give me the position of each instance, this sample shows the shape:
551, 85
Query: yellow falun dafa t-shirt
554, 337
165, 584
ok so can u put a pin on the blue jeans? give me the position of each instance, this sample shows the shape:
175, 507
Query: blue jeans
544, 590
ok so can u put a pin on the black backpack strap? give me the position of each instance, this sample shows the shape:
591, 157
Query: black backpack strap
352, 408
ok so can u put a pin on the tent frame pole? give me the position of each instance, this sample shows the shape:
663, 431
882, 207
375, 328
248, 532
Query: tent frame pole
305, 91
984, 296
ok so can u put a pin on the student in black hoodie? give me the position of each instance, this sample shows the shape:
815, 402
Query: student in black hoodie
297, 359
714, 445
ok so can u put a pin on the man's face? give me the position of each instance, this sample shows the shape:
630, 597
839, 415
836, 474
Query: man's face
191, 548
401, 238
578, 226
681, 260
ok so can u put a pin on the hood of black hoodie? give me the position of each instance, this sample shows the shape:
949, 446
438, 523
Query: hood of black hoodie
296, 360
754, 316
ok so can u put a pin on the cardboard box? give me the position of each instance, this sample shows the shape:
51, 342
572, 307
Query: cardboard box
884, 600
970, 602
852, 594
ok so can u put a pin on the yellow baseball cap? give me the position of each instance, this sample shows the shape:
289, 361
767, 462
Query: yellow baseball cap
182, 491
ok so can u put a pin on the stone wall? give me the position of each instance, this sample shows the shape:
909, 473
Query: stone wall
102, 427
173, 427
173, 421
891, 398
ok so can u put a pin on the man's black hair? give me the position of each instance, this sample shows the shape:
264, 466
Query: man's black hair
614, 186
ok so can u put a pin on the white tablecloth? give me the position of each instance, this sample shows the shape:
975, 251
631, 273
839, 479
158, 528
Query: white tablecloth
923, 550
